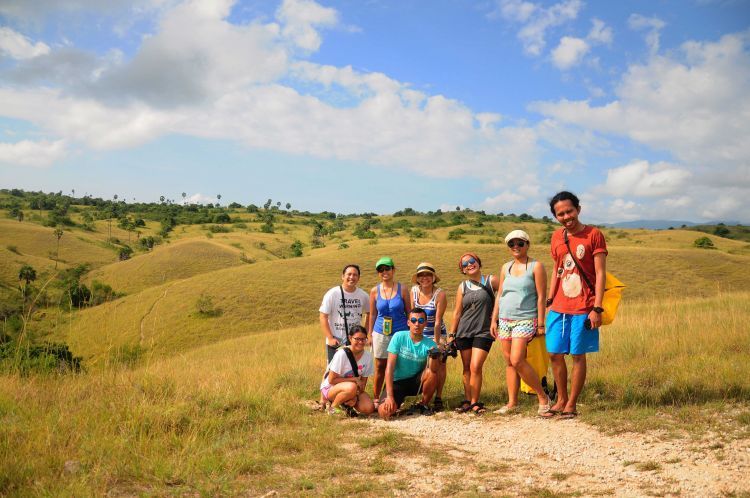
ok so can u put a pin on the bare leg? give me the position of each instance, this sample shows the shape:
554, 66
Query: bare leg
466, 360
478, 356
560, 371
578, 378
511, 376
429, 382
379, 377
441, 375
364, 404
526, 371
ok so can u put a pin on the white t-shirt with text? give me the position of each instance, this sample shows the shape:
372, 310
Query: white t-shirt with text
342, 366
357, 303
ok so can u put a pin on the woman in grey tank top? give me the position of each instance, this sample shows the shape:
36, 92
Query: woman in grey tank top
470, 329
520, 310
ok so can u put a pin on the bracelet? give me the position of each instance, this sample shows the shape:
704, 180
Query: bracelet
451, 336
540, 326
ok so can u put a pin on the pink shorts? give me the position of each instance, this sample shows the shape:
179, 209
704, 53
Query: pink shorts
324, 392
508, 329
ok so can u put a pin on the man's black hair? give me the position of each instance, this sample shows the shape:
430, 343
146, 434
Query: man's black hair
357, 328
356, 267
564, 196
418, 311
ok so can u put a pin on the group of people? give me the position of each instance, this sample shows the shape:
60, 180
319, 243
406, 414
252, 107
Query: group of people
410, 341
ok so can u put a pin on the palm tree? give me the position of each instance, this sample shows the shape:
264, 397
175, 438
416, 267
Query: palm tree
288, 206
218, 199
184, 194
58, 234
28, 275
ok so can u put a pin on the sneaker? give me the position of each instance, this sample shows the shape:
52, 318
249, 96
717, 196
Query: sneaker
350, 411
336, 411
437, 405
419, 408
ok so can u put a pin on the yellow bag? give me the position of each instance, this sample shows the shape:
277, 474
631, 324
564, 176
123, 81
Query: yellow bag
611, 300
536, 355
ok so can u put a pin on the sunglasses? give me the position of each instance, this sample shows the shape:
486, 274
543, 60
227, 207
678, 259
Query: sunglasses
383, 268
516, 243
468, 262
359, 339
416, 320
422, 275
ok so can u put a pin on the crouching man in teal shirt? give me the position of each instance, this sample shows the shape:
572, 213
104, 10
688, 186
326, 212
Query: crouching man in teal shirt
405, 372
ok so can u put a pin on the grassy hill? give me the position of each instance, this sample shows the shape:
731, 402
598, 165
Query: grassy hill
173, 402
278, 294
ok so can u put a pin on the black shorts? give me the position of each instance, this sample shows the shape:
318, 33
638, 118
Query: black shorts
484, 343
411, 386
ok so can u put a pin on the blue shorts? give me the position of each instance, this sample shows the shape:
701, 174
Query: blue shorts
566, 334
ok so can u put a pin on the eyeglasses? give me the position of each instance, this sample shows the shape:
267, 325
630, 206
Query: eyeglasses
516, 243
383, 268
359, 339
468, 262
416, 320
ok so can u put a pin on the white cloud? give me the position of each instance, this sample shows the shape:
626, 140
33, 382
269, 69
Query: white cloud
18, 46
572, 50
28, 153
199, 198
600, 32
300, 19
536, 19
641, 179
652, 26
238, 82
505, 201
695, 108
569, 52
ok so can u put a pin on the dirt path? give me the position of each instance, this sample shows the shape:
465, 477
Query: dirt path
146, 315
523, 455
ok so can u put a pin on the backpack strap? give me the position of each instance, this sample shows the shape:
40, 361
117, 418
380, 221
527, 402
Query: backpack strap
352, 361
575, 260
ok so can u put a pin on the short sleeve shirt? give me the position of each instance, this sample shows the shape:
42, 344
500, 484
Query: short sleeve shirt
573, 295
342, 366
412, 358
357, 303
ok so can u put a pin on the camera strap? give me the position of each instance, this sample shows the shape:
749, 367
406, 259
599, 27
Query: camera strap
575, 260
346, 325
352, 361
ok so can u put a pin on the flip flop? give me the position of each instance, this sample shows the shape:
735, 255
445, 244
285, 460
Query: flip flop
506, 410
568, 415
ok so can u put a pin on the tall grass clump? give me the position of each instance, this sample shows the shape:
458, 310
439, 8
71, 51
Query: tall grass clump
670, 352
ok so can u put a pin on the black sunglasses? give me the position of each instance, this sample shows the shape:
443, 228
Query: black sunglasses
516, 243
383, 268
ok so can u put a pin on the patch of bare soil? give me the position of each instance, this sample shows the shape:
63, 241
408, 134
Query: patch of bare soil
521, 455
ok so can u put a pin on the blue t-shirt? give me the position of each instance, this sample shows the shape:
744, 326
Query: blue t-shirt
412, 358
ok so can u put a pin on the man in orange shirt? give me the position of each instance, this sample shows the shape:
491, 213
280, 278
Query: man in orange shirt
575, 309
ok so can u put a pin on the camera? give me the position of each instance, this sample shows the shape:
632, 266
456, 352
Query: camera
443, 351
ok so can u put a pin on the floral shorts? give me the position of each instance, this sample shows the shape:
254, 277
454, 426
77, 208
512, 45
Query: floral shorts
508, 329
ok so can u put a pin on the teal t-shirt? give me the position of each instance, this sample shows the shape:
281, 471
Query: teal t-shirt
412, 358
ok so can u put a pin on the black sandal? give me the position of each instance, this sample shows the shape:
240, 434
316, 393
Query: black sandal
480, 409
464, 407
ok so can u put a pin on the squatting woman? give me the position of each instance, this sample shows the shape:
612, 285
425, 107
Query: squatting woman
344, 388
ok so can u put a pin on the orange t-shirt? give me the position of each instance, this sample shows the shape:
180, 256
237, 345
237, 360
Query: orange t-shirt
573, 295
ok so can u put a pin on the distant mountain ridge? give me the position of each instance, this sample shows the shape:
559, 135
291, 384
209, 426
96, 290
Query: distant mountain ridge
664, 224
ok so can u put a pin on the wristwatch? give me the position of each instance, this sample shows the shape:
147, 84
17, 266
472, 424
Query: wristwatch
598, 309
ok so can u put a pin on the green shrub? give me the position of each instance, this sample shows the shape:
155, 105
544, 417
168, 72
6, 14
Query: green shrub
704, 243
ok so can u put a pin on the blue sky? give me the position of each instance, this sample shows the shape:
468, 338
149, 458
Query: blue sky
640, 107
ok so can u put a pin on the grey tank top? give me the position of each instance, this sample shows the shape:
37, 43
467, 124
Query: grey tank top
477, 307
519, 299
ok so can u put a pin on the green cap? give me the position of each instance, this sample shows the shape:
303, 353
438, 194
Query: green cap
385, 260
